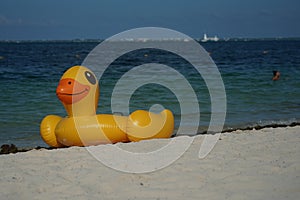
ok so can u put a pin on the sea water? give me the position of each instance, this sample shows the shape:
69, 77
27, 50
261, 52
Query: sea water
30, 71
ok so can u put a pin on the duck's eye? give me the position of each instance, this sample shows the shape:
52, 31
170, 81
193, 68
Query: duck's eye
90, 77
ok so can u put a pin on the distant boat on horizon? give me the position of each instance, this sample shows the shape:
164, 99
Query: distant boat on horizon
206, 39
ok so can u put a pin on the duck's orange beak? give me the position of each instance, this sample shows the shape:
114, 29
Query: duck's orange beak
71, 91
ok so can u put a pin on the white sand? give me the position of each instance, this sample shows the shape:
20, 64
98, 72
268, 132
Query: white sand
262, 164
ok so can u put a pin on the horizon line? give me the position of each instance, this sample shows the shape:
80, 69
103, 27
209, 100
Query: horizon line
146, 39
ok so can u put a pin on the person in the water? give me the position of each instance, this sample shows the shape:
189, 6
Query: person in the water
276, 75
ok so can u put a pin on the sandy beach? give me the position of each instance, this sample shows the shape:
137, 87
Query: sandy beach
255, 164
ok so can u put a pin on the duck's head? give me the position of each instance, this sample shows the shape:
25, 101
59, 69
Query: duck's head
78, 90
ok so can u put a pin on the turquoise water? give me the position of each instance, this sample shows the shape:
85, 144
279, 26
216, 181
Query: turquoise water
30, 71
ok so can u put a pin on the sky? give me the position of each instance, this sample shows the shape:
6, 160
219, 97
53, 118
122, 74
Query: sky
99, 19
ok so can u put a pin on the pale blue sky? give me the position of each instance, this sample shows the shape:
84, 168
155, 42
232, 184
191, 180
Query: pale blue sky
69, 19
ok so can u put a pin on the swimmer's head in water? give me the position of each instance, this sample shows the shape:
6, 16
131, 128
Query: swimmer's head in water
276, 75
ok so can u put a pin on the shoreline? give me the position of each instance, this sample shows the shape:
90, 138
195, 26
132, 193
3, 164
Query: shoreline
12, 148
250, 164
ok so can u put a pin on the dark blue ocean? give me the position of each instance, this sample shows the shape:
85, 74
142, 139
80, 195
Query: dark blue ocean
30, 71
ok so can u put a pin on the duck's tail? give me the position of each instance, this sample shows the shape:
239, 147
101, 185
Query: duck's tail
144, 125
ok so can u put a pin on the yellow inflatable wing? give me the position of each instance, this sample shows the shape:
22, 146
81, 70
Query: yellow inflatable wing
78, 90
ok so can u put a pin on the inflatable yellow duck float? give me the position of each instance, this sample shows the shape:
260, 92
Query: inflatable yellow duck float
78, 90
